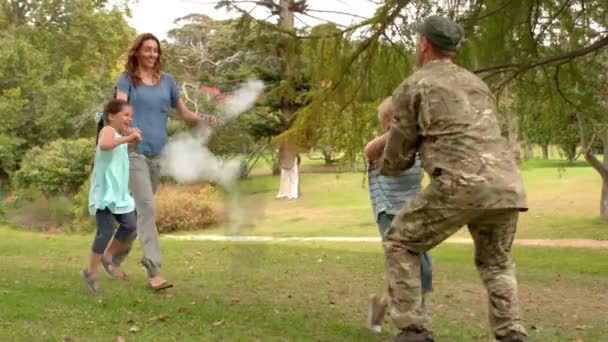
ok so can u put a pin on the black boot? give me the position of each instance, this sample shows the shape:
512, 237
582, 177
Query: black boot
414, 335
513, 336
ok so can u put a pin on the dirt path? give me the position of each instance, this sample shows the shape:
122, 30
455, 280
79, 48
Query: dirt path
581, 243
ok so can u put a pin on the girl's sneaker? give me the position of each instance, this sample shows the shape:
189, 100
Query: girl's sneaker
91, 282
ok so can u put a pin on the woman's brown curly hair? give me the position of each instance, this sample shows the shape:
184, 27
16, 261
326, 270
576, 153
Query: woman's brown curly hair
131, 66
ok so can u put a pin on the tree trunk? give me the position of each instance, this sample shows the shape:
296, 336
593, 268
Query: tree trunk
290, 175
571, 153
604, 202
327, 157
600, 167
604, 198
529, 151
276, 169
545, 149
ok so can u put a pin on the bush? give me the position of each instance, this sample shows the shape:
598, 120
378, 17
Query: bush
9, 153
61, 167
2, 211
83, 221
61, 211
180, 208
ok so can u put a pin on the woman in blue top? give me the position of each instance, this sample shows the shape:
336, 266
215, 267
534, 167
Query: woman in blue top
109, 197
152, 93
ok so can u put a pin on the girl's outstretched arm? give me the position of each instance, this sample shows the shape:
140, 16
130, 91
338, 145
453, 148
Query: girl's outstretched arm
107, 139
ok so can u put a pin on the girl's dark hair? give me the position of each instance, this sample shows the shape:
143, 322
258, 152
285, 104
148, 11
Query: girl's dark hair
112, 107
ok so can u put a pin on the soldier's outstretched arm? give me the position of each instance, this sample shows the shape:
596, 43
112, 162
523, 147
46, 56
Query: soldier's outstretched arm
403, 139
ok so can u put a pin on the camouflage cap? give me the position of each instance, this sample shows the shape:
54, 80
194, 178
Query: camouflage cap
443, 32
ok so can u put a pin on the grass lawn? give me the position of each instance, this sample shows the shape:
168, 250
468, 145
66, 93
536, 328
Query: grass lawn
563, 201
279, 292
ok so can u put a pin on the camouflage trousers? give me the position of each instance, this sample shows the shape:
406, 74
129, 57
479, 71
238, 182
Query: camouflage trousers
416, 230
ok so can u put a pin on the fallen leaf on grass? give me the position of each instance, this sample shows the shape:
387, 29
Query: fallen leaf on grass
120, 339
198, 254
218, 323
534, 327
581, 327
134, 329
162, 317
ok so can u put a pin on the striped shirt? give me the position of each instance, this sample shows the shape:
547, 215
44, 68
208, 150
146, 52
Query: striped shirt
389, 194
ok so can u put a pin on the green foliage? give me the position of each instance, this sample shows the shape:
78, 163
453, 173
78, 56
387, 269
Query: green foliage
232, 139
61, 210
2, 206
53, 79
61, 167
83, 221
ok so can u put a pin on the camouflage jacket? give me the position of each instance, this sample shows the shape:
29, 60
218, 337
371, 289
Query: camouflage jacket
448, 114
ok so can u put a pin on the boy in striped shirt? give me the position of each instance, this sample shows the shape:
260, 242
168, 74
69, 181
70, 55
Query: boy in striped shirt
388, 195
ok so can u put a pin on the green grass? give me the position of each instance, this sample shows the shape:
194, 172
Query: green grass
563, 201
279, 292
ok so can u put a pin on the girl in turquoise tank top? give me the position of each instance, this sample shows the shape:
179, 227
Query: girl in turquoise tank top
109, 198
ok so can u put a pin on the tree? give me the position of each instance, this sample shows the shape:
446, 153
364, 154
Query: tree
514, 45
210, 58
56, 68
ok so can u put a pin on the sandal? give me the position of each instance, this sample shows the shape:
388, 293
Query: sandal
163, 286
108, 269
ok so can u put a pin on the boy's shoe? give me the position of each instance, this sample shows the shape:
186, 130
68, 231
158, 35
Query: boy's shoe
91, 282
414, 335
375, 314
514, 336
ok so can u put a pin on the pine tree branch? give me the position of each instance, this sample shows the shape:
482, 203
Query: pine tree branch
587, 146
300, 20
519, 68
474, 19
394, 45
555, 16
279, 29
323, 20
338, 12
588, 151
368, 42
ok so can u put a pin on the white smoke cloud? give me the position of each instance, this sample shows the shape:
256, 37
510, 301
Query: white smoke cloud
188, 160
242, 99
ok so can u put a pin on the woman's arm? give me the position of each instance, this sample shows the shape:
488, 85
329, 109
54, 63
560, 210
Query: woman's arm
186, 114
189, 116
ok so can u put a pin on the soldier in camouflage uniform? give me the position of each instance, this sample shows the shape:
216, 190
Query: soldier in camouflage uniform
448, 115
